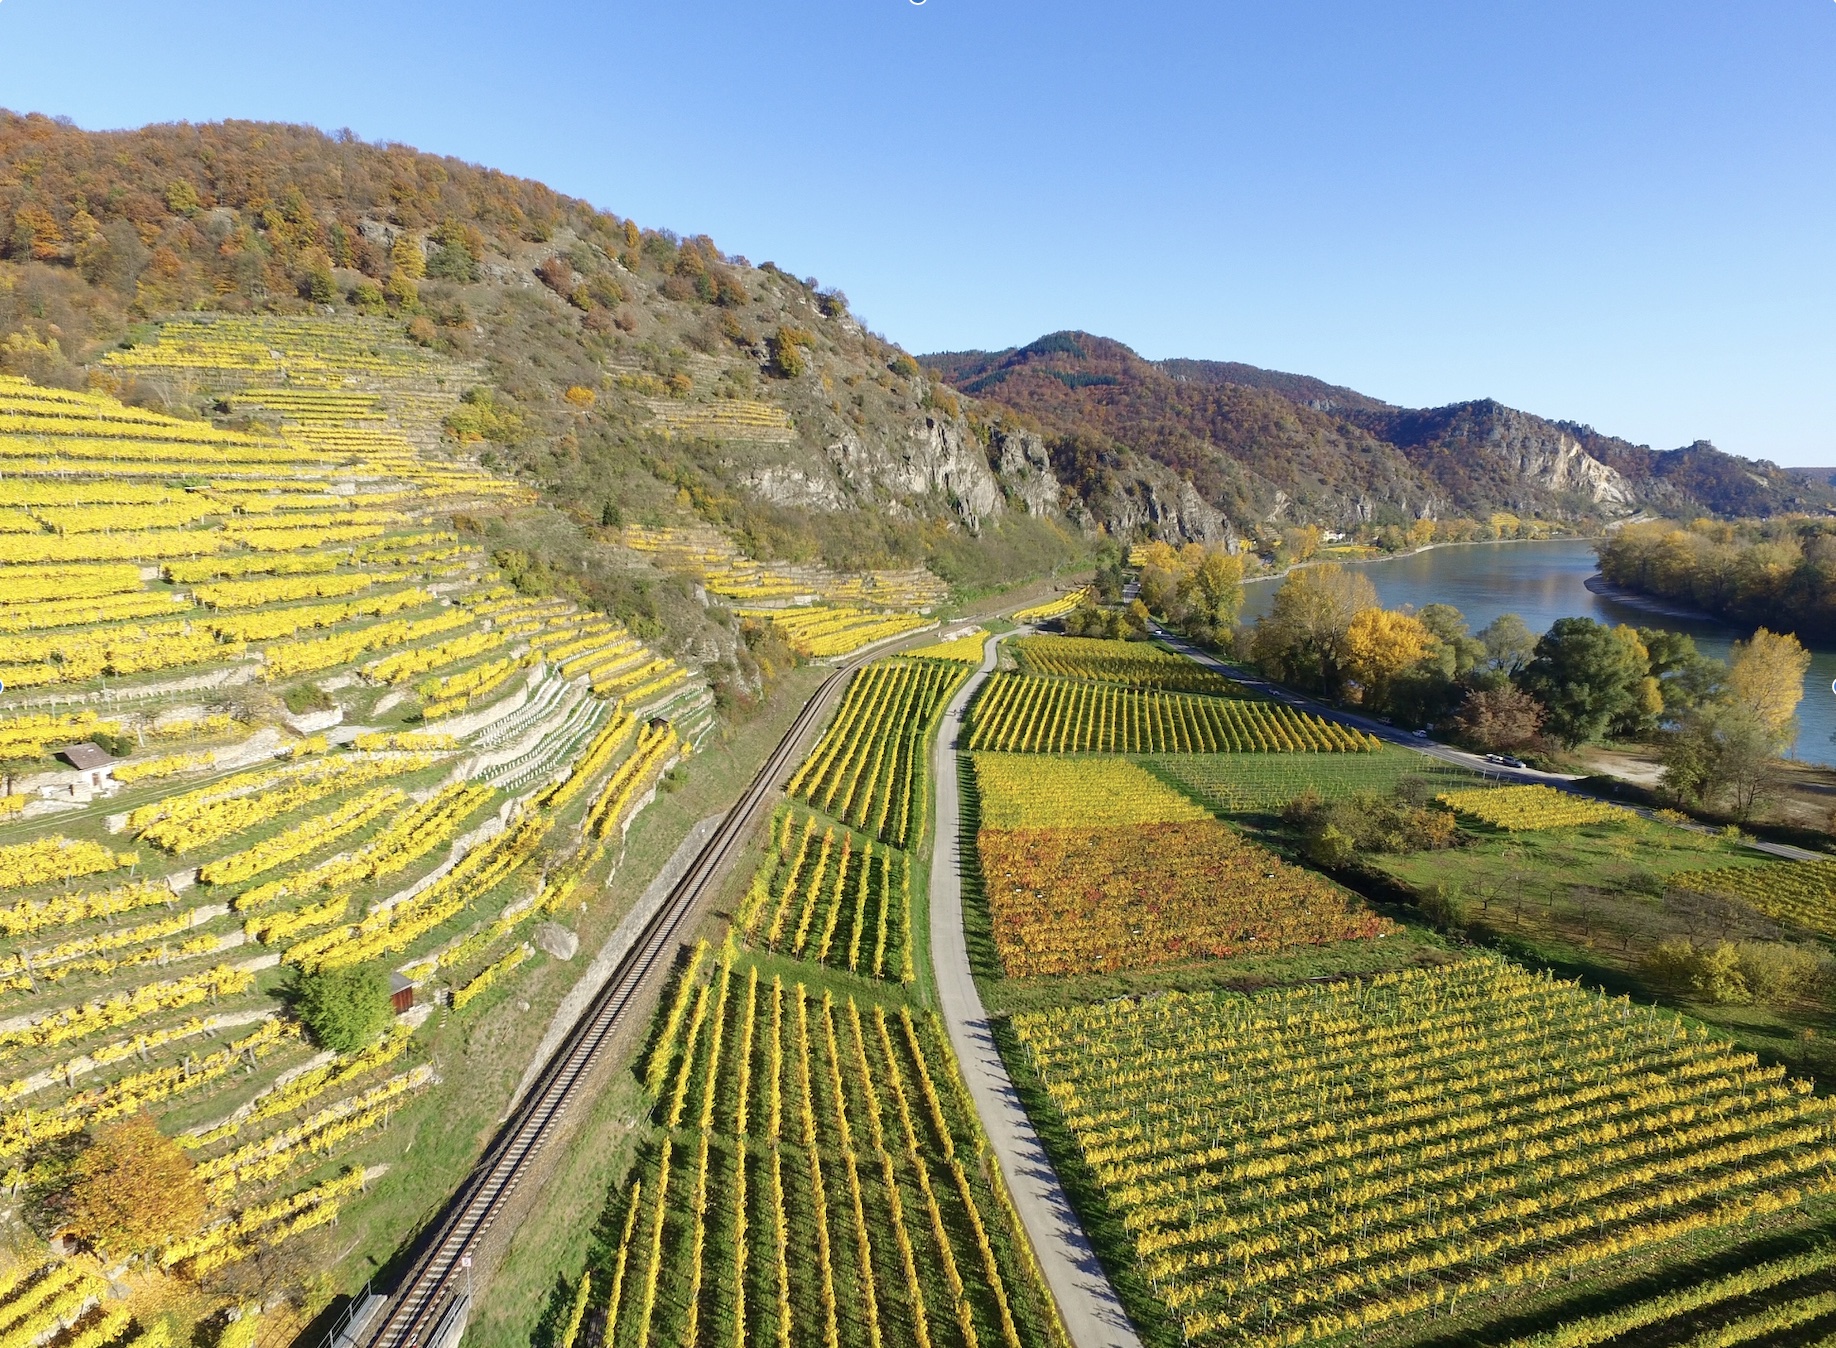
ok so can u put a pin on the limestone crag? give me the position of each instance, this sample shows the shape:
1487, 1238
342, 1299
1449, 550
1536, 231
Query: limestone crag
936, 460
1158, 503
1023, 465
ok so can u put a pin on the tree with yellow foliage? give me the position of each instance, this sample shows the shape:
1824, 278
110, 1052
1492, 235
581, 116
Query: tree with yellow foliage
1380, 645
406, 257
1197, 587
1302, 637
1301, 543
1218, 584
36, 234
133, 1188
1766, 679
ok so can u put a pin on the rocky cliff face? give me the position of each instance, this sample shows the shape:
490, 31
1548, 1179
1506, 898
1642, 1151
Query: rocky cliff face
1149, 500
1024, 467
934, 466
1484, 452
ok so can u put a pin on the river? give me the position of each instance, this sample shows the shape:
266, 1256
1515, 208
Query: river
1541, 582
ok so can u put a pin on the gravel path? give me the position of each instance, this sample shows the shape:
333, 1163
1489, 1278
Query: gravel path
1092, 1313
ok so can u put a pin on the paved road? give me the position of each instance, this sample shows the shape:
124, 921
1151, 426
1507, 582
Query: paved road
1432, 749
1092, 1313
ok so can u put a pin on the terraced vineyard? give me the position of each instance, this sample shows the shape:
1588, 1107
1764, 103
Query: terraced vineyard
1052, 608
728, 573
168, 591
823, 633
1021, 713
820, 613
1323, 1161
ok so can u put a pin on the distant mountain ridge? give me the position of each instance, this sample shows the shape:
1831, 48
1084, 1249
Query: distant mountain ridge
1262, 446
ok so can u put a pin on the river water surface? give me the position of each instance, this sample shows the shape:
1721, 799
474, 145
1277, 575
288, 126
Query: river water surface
1541, 582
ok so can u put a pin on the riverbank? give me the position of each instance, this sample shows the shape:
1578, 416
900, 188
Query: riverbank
1542, 581
1804, 797
1619, 594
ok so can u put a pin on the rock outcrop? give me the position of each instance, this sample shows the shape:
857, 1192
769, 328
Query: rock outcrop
935, 462
1024, 468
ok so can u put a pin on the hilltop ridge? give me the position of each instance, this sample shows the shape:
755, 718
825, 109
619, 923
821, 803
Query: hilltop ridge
1267, 447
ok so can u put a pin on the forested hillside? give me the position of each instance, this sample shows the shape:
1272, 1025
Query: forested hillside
1262, 447
639, 378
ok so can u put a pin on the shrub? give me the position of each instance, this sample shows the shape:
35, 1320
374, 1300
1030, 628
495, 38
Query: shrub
1671, 963
1367, 822
1445, 906
367, 298
345, 1009
1731, 974
1719, 978
305, 697
118, 745
787, 356
1776, 972
451, 264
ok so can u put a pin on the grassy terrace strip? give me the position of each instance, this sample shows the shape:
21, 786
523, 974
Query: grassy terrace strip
868, 769
1132, 663
1518, 809
1018, 713
1320, 1160
816, 1176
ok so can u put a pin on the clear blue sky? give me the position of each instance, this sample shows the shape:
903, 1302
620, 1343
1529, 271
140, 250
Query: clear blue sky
1619, 213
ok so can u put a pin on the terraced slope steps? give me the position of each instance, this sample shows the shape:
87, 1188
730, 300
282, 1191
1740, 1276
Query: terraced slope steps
275, 672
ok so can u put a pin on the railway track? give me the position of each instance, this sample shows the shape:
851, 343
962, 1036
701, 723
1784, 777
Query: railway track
420, 1312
